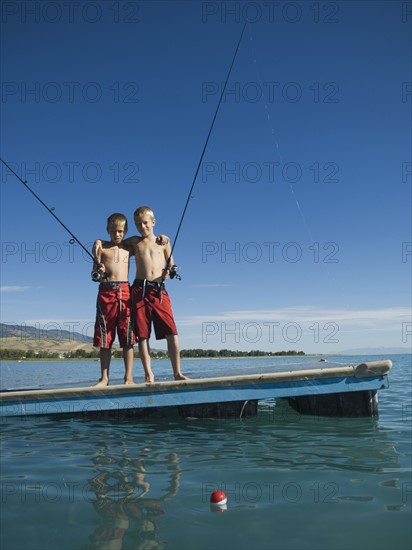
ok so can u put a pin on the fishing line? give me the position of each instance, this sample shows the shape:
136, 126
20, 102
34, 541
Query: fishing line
74, 238
189, 196
273, 133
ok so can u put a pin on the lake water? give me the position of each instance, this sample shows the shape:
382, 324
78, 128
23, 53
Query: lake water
292, 481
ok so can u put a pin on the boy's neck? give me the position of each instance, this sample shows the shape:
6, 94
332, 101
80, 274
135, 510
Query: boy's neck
149, 237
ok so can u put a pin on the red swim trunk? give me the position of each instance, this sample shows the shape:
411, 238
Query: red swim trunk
113, 314
149, 308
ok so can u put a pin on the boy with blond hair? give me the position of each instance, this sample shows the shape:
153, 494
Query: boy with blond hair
150, 301
113, 299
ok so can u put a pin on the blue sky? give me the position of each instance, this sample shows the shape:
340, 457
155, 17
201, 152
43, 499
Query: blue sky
298, 235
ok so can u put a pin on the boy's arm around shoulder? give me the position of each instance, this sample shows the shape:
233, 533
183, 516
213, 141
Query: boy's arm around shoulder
162, 240
131, 241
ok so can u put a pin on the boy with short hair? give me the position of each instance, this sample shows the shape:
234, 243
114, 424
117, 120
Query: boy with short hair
150, 301
114, 299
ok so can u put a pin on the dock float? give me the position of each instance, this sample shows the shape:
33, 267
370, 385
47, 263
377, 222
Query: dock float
347, 391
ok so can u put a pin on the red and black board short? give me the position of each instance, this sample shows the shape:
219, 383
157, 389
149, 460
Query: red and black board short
151, 308
113, 315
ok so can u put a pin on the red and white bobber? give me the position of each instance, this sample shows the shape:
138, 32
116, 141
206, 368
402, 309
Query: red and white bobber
218, 501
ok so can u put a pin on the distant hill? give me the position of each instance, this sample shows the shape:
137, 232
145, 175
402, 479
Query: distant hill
29, 338
51, 346
25, 333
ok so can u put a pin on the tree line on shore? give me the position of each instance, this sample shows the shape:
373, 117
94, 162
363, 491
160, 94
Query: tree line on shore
20, 355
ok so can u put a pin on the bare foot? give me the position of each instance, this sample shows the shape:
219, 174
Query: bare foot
129, 381
149, 379
180, 376
100, 383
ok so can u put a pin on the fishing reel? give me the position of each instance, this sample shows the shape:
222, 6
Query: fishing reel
98, 275
173, 273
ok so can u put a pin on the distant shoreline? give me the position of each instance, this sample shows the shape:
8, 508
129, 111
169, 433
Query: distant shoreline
64, 359
308, 355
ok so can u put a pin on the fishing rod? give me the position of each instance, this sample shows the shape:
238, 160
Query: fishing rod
74, 238
189, 196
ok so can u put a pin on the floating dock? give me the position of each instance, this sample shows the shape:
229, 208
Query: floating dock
330, 391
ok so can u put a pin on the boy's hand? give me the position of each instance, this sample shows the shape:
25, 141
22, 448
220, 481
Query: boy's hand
171, 273
99, 272
162, 240
100, 267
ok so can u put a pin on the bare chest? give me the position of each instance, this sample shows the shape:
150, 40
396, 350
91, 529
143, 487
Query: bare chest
115, 255
148, 251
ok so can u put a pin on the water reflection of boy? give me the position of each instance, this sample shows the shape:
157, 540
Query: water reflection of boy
124, 500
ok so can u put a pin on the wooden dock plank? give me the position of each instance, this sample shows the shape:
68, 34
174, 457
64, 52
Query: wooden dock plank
364, 377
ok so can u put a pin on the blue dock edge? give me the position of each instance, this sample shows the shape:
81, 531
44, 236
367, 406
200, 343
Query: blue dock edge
365, 377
